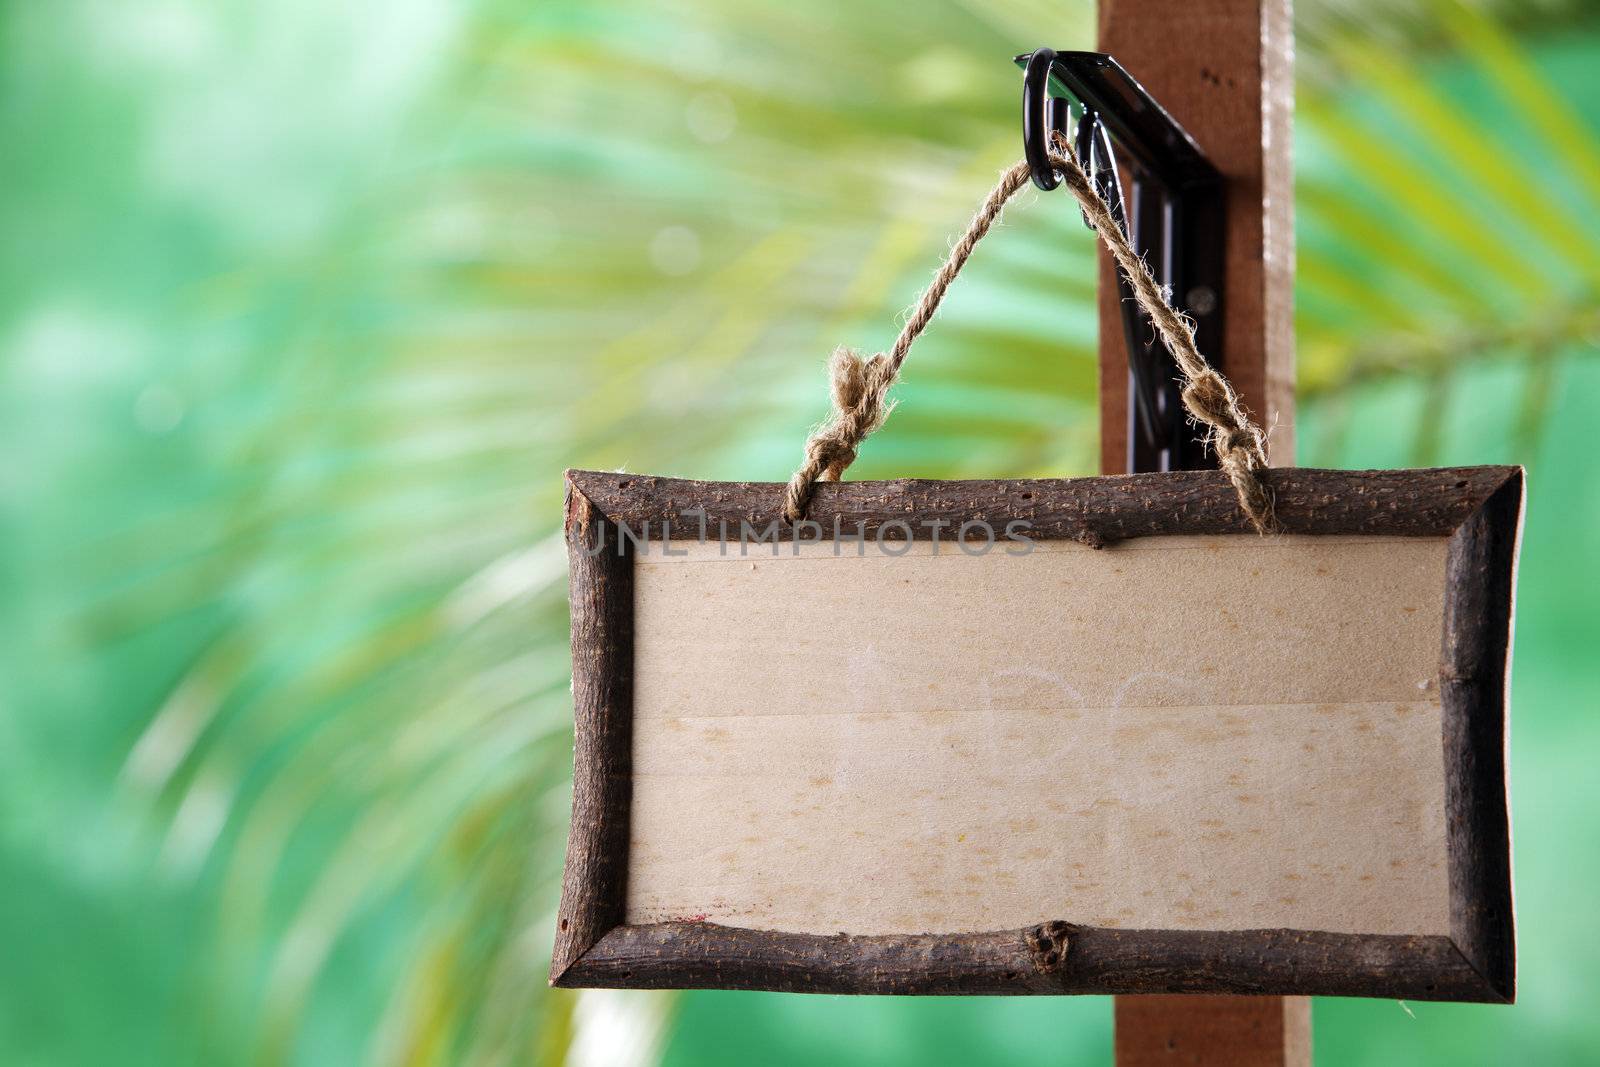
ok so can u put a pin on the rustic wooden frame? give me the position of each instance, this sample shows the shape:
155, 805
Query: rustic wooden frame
1478, 508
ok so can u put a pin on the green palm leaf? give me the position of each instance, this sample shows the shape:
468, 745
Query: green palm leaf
307, 311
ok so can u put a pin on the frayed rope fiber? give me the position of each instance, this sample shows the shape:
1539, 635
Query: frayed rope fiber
861, 387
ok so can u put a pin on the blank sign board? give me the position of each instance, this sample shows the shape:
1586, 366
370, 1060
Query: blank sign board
1045, 736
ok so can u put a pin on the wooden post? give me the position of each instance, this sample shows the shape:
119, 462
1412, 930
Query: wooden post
1204, 1030
1224, 69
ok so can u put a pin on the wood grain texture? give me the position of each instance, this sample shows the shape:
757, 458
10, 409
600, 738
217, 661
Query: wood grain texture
1094, 511
1228, 1031
1224, 69
1051, 958
1479, 507
594, 884
985, 740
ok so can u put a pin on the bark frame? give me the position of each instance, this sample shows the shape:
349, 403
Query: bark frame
1478, 508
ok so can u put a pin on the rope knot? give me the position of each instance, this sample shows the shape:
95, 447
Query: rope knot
860, 389
848, 372
1240, 441
1208, 398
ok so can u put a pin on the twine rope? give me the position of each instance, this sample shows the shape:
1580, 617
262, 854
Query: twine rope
860, 387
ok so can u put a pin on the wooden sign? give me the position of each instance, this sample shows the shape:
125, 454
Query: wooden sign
1086, 736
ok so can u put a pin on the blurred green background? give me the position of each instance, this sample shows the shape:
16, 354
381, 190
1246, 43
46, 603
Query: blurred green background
307, 304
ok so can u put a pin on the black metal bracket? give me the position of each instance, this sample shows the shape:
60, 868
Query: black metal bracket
1176, 222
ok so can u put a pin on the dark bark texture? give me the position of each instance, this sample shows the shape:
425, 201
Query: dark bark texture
1055, 957
594, 885
1408, 503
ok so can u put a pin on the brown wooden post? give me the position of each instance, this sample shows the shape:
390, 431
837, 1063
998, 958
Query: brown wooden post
1204, 1030
1224, 69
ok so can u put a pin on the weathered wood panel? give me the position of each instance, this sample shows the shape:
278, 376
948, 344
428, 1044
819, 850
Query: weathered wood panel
1208, 733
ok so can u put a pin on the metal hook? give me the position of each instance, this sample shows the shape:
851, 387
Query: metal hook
1093, 149
1041, 116
1044, 115
1174, 219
